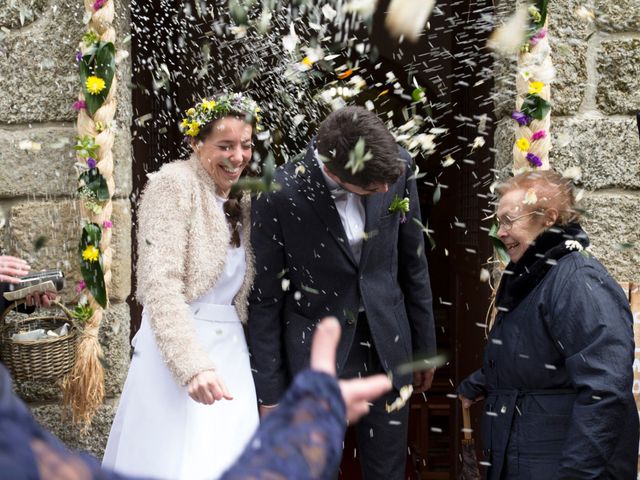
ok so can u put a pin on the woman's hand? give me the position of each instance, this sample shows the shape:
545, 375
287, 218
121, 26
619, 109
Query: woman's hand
356, 393
12, 268
207, 387
466, 403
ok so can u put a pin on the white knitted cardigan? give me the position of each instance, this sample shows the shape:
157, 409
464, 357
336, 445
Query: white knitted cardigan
183, 239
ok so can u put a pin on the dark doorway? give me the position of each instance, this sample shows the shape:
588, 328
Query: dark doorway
184, 50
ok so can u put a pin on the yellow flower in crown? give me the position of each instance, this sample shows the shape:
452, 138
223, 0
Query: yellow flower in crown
535, 88
220, 106
208, 105
95, 85
91, 254
194, 129
523, 144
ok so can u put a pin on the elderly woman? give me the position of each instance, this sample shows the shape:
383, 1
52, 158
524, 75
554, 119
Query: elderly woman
557, 370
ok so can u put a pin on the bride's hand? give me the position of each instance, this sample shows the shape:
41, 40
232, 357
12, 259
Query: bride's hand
207, 387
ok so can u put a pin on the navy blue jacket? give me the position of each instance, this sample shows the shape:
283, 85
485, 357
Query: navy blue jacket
557, 374
297, 235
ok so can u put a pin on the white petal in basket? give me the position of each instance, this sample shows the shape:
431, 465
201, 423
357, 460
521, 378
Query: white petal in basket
408, 17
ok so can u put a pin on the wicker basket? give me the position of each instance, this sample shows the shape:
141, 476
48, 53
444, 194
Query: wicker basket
46, 359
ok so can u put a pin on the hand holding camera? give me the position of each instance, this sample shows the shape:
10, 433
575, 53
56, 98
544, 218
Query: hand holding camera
38, 288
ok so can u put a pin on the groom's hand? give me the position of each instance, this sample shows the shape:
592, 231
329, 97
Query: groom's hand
422, 380
356, 393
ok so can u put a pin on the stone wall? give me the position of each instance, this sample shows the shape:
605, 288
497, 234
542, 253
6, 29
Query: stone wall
38, 212
595, 96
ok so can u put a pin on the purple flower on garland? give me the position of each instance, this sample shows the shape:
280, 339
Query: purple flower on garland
522, 118
91, 162
98, 4
81, 285
79, 105
78, 56
534, 160
539, 35
538, 135
107, 224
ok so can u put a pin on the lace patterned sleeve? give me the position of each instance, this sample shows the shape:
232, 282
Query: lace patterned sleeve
302, 438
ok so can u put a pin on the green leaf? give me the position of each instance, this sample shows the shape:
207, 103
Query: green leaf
95, 182
358, 157
535, 106
92, 271
418, 94
501, 250
101, 63
86, 147
238, 13
542, 8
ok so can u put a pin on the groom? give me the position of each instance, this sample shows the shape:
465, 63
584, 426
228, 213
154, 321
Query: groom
333, 241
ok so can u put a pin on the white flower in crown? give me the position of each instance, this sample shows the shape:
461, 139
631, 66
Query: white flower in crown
573, 245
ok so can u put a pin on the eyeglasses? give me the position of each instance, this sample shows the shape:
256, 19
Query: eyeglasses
507, 223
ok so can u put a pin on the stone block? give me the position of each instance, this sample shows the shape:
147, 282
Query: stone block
612, 220
565, 24
618, 15
56, 419
504, 89
38, 75
57, 225
44, 167
114, 339
568, 89
619, 71
604, 148
19, 13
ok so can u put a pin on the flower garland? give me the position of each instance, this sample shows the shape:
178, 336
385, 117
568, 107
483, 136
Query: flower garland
83, 388
218, 107
532, 114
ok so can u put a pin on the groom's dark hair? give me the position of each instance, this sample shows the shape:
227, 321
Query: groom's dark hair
337, 138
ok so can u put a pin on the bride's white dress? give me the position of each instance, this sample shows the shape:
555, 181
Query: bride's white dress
159, 431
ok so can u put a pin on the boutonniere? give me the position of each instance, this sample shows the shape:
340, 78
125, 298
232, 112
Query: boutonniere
400, 205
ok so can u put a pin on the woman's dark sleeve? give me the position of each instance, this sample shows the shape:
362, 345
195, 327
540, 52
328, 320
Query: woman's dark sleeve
592, 324
302, 438
473, 386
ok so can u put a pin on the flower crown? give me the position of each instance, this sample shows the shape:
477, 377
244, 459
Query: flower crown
219, 107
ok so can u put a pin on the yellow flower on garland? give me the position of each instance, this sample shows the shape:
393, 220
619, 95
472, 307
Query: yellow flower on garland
523, 144
95, 85
91, 254
535, 88
194, 129
208, 105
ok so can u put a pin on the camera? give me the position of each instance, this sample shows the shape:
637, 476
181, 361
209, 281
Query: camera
36, 282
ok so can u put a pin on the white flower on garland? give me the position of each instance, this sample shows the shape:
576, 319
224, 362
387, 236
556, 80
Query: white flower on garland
573, 245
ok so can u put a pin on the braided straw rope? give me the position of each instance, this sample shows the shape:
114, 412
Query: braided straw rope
537, 62
83, 388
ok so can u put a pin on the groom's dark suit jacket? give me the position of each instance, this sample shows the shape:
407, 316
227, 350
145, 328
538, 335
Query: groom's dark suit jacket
299, 240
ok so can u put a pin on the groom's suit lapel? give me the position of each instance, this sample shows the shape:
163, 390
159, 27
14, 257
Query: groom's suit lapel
372, 206
314, 188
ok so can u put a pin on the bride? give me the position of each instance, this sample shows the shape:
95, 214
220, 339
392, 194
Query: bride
188, 406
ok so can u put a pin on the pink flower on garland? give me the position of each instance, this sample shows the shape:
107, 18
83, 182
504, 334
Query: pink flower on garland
539, 35
534, 160
107, 224
81, 286
79, 105
538, 135
98, 4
